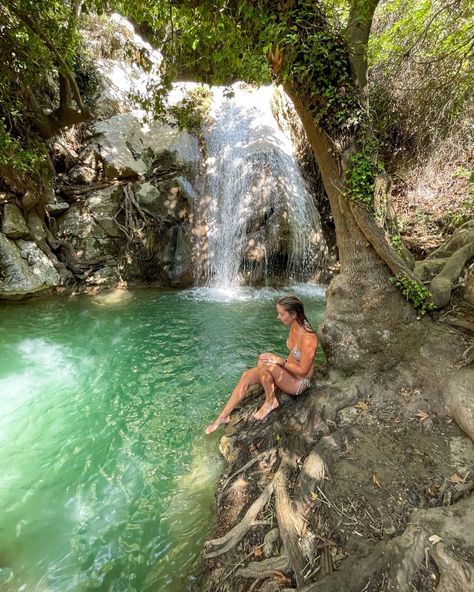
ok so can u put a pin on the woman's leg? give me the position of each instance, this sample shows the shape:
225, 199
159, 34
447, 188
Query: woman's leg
268, 383
272, 376
248, 377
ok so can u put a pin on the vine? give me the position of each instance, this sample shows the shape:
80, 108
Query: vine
414, 292
364, 168
316, 57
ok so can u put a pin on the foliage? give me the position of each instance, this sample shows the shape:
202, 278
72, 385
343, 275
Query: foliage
218, 42
414, 292
364, 168
421, 56
14, 155
396, 241
86, 74
193, 109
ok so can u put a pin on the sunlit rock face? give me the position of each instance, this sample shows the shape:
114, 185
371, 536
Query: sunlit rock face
24, 269
224, 208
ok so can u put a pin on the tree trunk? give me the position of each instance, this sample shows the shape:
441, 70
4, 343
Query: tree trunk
365, 313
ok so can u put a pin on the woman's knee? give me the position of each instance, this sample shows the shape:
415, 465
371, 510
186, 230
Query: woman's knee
265, 374
247, 376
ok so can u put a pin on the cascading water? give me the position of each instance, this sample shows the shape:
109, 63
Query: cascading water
257, 207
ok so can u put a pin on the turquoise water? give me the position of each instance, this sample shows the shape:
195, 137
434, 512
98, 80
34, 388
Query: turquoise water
106, 479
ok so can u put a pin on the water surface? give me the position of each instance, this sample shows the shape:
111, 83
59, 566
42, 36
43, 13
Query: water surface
106, 479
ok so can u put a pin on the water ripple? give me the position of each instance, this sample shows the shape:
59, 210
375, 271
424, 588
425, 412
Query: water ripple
107, 481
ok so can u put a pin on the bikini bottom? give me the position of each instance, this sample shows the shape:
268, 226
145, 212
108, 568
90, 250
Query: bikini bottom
303, 385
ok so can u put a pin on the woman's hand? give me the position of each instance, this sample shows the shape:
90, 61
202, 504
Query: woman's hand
268, 358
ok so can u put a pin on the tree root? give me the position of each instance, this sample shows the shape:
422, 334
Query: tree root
376, 237
458, 399
259, 570
434, 534
292, 525
259, 457
218, 547
442, 285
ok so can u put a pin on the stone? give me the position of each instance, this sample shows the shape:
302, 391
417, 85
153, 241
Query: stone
107, 276
115, 140
57, 208
124, 142
14, 225
91, 227
25, 269
148, 195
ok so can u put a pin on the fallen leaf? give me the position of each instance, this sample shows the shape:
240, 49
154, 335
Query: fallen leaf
456, 478
422, 415
434, 539
362, 405
376, 480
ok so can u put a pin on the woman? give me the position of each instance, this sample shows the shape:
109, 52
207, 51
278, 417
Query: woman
292, 374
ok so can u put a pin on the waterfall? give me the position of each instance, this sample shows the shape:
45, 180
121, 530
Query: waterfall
256, 209
252, 218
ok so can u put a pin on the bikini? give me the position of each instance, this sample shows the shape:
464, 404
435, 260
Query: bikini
296, 353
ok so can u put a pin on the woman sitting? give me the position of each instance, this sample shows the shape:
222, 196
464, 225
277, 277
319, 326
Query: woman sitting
292, 374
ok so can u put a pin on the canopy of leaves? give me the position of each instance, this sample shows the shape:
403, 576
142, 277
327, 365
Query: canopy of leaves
422, 70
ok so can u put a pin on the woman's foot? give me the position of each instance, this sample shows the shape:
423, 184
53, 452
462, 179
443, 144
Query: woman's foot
213, 427
265, 409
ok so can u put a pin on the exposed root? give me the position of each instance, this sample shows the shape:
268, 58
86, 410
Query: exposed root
376, 237
459, 402
263, 455
224, 544
291, 524
261, 570
432, 533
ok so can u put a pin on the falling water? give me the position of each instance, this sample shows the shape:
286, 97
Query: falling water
257, 204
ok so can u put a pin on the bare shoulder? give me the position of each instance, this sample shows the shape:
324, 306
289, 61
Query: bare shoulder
310, 338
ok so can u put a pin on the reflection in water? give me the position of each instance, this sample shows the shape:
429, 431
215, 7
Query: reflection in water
107, 478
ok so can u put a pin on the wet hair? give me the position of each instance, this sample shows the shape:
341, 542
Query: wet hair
294, 305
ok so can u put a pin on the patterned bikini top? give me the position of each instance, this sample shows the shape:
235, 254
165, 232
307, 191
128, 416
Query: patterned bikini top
295, 351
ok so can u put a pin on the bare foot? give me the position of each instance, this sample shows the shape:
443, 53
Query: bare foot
213, 427
265, 409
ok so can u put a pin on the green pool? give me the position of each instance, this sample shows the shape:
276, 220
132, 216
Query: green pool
106, 478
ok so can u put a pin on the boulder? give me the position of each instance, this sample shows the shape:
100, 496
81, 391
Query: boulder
148, 196
91, 227
129, 147
14, 225
25, 269
57, 208
117, 144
